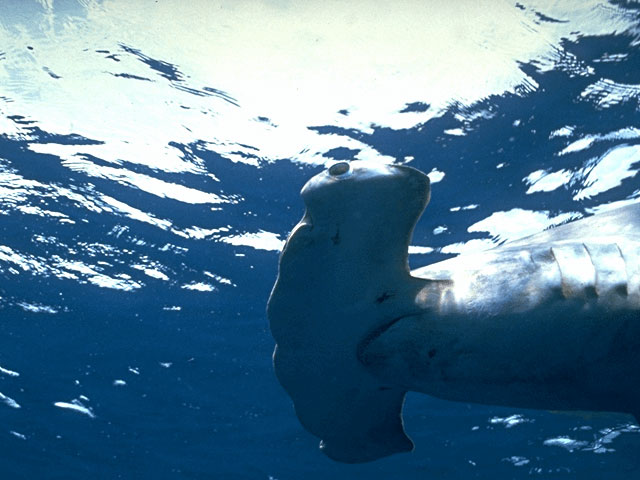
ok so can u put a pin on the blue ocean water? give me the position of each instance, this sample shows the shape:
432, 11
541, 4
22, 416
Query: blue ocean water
143, 206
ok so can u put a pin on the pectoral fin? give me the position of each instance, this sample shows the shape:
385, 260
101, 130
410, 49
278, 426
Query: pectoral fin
356, 416
375, 429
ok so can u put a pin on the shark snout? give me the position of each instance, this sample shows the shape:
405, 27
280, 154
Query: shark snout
417, 182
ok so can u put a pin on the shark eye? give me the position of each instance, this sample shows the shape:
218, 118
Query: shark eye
339, 169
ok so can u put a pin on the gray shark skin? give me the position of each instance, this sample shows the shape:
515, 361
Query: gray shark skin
551, 321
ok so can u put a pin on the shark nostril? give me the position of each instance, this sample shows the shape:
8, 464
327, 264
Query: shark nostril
339, 168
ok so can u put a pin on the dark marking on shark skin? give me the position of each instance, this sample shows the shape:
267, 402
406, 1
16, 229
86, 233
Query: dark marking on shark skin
336, 238
385, 296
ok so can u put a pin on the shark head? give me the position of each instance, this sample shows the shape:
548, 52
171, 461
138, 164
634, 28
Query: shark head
341, 277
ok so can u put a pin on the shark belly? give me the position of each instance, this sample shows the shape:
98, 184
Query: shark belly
553, 326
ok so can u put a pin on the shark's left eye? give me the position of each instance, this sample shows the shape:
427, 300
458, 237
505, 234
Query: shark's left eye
339, 169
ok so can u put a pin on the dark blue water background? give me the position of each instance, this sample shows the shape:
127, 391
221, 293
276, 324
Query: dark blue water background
111, 372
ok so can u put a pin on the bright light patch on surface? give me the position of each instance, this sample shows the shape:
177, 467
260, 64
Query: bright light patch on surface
562, 132
199, 287
260, 241
135, 213
566, 443
220, 279
26, 263
123, 283
34, 308
517, 461
8, 401
172, 308
417, 250
609, 171
151, 272
76, 406
33, 210
126, 177
11, 373
510, 421
542, 181
199, 233
8, 127
607, 93
578, 145
435, 175
472, 246
518, 223
75, 266
456, 132
466, 207
628, 133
